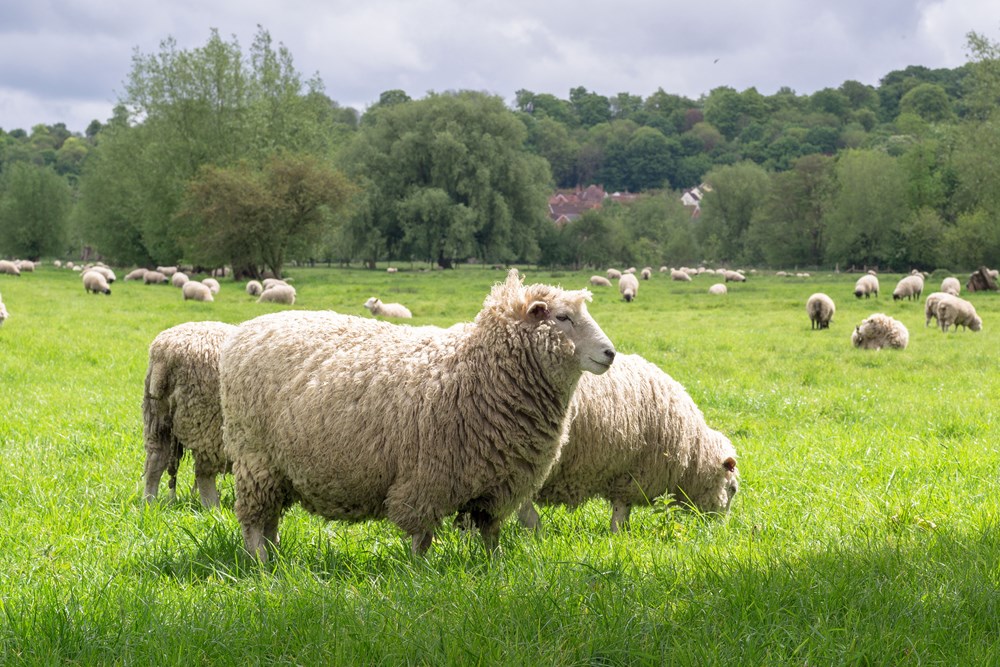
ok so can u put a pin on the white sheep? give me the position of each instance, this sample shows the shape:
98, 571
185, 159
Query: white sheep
108, 274
254, 288
154, 278
278, 294
734, 277
212, 284
951, 285
10, 268
866, 286
268, 283
820, 308
379, 309
614, 274
391, 269
179, 279
168, 271
682, 276
359, 419
628, 285
3, 312
136, 274
600, 281
646, 273
26, 266
908, 287
196, 291
930, 306
181, 408
956, 310
878, 331
95, 282
632, 435
718, 288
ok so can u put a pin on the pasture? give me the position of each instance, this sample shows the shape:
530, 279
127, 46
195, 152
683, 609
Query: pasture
865, 530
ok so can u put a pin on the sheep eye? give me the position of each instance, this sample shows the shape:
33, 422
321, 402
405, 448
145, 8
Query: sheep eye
564, 318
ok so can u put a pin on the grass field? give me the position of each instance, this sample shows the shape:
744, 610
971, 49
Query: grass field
865, 530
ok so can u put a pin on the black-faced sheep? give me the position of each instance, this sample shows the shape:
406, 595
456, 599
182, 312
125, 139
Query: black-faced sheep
878, 331
632, 435
953, 310
734, 277
646, 273
181, 409
866, 286
379, 309
95, 283
359, 419
820, 308
628, 285
908, 287
10, 268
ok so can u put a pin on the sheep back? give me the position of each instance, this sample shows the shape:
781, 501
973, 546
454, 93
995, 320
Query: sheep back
278, 294
878, 331
196, 291
821, 309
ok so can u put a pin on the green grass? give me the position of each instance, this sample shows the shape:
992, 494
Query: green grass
865, 531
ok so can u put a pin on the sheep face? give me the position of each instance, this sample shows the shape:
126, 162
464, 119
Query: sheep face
591, 347
372, 303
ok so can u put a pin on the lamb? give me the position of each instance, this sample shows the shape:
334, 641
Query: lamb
3, 312
951, 285
278, 294
95, 283
718, 288
377, 308
600, 281
646, 273
682, 276
878, 331
930, 306
196, 291
628, 285
212, 284
179, 279
614, 274
866, 286
254, 288
659, 444
361, 419
908, 287
154, 278
956, 310
10, 268
181, 409
821, 309
137, 274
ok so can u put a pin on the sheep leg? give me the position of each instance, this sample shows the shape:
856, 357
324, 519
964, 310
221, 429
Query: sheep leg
156, 463
489, 529
421, 542
207, 491
260, 497
528, 516
620, 512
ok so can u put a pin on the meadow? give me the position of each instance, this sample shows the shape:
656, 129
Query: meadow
865, 530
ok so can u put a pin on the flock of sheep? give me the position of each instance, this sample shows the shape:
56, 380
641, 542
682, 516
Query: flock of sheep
628, 284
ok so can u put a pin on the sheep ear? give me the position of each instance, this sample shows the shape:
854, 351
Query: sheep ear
538, 310
729, 464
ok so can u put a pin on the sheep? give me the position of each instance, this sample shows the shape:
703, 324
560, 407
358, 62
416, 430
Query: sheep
196, 291
278, 294
108, 274
718, 288
391, 269
179, 279
95, 283
254, 288
26, 266
10, 268
268, 283
632, 435
908, 287
360, 419
930, 306
951, 285
878, 331
3, 312
682, 276
820, 308
377, 308
614, 274
57, 263
168, 271
212, 284
181, 409
136, 274
646, 273
154, 278
600, 281
734, 277
956, 310
866, 286
628, 285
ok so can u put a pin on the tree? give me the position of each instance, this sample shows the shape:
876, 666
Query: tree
929, 101
34, 206
727, 210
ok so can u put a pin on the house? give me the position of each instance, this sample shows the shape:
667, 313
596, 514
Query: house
692, 198
568, 205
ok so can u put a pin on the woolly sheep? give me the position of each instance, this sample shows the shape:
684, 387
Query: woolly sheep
254, 288
646, 273
10, 268
663, 269
212, 284
179, 279
866, 286
359, 419
377, 308
181, 409
614, 274
951, 285
26, 266
154, 278
628, 285
168, 271
196, 291
718, 288
391, 269
268, 283
682, 276
278, 294
930, 306
95, 283
734, 277
600, 281
878, 331
908, 287
57, 263
821, 309
108, 274
136, 274
632, 435
956, 310
3, 312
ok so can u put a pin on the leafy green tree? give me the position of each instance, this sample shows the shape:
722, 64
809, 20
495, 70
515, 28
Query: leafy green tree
34, 207
973, 241
730, 111
920, 241
590, 108
728, 209
929, 101
553, 141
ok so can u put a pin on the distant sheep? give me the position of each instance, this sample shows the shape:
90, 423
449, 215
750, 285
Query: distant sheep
268, 283
614, 274
181, 408
930, 306
168, 271
820, 308
951, 285
179, 279
212, 284
878, 331
379, 309
909, 287
866, 286
628, 285
600, 281
682, 276
108, 274
718, 288
953, 310
634, 434
136, 274
278, 294
391, 269
196, 291
154, 278
95, 283
254, 288
646, 273
10, 268
735, 277
26, 266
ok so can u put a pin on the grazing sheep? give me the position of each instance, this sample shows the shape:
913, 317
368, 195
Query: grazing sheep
10, 268
878, 331
632, 435
179, 279
930, 306
181, 409
908, 287
663, 269
956, 310
196, 291
212, 284
821, 309
268, 283
951, 285
360, 419
718, 288
734, 277
278, 294
57, 263
614, 274
26, 266
866, 286
168, 271
391, 269
377, 308
3, 312
646, 273
136, 274
154, 278
95, 283
254, 288
600, 281
682, 276
628, 285
108, 274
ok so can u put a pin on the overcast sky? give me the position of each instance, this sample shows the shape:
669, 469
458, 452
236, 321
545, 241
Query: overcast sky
67, 60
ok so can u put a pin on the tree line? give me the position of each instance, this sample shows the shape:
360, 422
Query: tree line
219, 156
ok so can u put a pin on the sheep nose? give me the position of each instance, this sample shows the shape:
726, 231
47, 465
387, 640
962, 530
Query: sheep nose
610, 354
